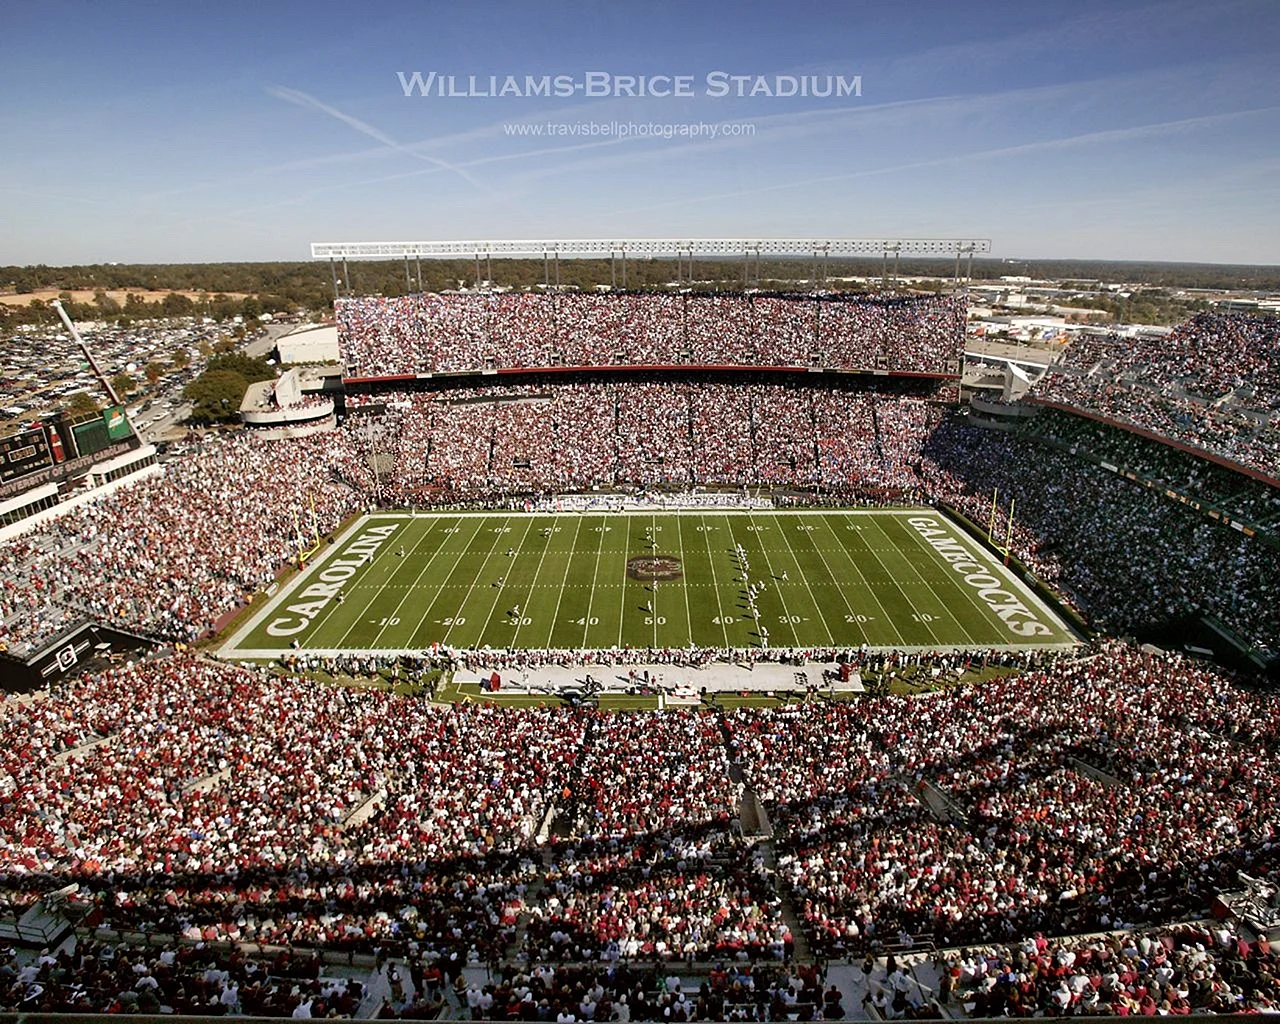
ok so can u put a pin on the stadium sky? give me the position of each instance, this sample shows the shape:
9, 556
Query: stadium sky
157, 131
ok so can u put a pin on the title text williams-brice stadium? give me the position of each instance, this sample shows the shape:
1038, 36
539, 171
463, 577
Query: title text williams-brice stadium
599, 84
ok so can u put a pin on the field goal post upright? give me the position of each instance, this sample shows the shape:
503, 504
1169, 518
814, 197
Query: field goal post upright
1008, 537
1007, 547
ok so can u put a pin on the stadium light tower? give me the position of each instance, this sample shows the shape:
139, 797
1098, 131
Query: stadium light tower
97, 370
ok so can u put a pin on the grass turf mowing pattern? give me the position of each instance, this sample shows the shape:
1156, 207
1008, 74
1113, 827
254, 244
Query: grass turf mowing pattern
830, 579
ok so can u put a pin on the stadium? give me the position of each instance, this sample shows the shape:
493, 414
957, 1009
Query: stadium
684, 654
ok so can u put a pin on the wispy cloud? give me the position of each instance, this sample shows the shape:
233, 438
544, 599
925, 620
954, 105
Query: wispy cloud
1114, 135
309, 102
302, 198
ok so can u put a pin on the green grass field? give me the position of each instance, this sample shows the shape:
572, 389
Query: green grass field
402, 582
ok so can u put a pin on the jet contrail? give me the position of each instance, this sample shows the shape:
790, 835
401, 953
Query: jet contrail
306, 100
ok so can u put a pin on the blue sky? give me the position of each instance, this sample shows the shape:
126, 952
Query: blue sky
167, 131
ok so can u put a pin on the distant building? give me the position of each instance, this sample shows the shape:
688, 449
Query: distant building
308, 345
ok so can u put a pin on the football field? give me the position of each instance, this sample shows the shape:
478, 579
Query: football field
724, 579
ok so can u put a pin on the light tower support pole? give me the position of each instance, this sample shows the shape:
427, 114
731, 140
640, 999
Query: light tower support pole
102, 377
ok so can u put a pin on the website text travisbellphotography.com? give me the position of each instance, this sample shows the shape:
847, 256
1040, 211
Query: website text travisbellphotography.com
601, 84
632, 129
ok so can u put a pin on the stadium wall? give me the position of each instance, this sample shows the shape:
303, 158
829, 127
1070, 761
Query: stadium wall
661, 368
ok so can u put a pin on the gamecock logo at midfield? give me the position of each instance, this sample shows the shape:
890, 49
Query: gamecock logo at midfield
654, 567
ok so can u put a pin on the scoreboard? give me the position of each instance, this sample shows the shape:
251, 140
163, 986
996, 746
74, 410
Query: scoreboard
24, 453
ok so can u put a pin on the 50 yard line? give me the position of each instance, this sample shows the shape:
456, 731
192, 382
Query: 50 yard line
653, 587
688, 611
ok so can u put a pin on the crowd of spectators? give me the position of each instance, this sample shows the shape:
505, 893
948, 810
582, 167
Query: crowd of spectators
731, 991
195, 799
218, 803
184, 979
1191, 968
1212, 383
434, 333
1125, 555
1243, 497
172, 553
460, 444
651, 865
1210, 356
1031, 839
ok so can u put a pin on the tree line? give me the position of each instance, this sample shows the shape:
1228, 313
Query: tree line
308, 284
226, 290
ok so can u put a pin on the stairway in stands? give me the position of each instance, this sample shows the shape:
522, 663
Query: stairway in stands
757, 830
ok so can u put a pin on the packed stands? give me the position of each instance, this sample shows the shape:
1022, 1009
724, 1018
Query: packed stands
1192, 968
171, 555
173, 978
1125, 555
1244, 498
466, 332
1212, 384
1099, 799
469, 443
1035, 843
1117, 789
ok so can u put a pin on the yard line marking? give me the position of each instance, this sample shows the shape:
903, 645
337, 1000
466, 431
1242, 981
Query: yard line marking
894, 580
724, 626
622, 607
466, 547
812, 596
853, 562
835, 581
564, 583
498, 534
410, 588
518, 548
653, 587
984, 557
365, 569
688, 612
968, 637
786, 612
378, 591
592, 595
